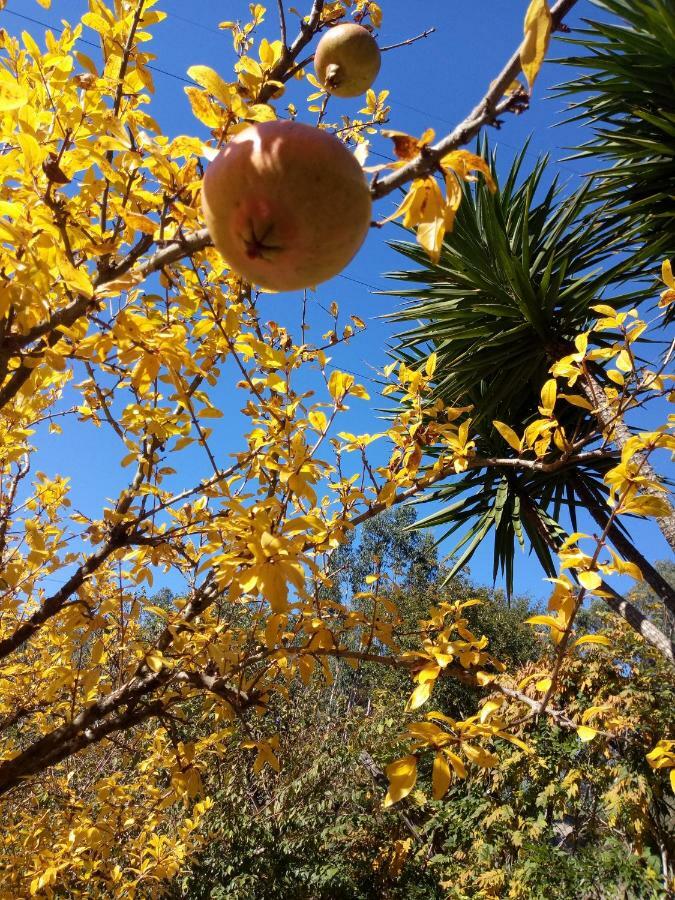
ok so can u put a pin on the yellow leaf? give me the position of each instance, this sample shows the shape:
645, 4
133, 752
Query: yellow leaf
604, 310
203, 108
592, 711
585, 733
590, 580
577, 400
154, 660
440, 778
463, 163
95, 22
548, 394
139, 222
600, 639
544, 620
423, 203
490, 707
212, 82
667, 274
457, 763
420, 695
405, 145
660, 755
537, 35
480, 756
77, 278
318, 421
402, 776
430, 236
624, 362
509, 435
428, 673
647, 506
32, 152
543, 684
260, 112
12, 94
339, 383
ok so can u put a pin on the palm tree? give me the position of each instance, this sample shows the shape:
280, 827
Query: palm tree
514, 285
624, 90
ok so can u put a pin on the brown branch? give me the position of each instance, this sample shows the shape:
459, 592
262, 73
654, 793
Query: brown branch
122, 535
625, 546
103, 402
406, 43
639, 622
282, 23
618, 432
476, 462
283, 70
237, 699
119, 93
6, 513
485, 113
558, 716
535, 465
54, 604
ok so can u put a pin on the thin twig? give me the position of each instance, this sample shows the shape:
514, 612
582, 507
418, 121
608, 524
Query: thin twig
282, 24
484, 113
412, 40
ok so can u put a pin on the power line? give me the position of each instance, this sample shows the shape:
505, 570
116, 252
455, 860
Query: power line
200, 25
184, 80
58, 30
356, 281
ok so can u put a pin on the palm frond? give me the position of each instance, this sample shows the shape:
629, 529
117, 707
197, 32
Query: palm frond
624, 89
514, 285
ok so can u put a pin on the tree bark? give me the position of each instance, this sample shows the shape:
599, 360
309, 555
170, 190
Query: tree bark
618, 432
626, 548
639, 622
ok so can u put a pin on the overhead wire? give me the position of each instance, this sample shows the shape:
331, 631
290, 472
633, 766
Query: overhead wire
59, 30
189, 81
423, 112
426, 113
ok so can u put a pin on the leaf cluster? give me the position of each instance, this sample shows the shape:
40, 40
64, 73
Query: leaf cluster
623, 90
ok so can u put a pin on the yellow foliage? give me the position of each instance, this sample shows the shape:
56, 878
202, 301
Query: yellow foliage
100, 795
537, 36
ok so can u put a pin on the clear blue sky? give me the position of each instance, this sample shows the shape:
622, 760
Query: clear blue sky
433, 83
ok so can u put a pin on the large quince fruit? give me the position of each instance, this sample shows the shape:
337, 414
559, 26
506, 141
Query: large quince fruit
286, 204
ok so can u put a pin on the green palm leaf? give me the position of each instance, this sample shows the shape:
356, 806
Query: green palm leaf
514, 285
624, 89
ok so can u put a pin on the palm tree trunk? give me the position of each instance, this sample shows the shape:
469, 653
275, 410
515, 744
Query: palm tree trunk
616, 429
626, 548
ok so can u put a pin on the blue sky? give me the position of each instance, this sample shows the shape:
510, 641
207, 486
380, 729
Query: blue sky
433, 83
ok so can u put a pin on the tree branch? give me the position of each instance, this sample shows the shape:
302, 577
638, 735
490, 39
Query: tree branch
558, 716
484, 113
282, 23
626, 547
406, 43
639, 622
618, 432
